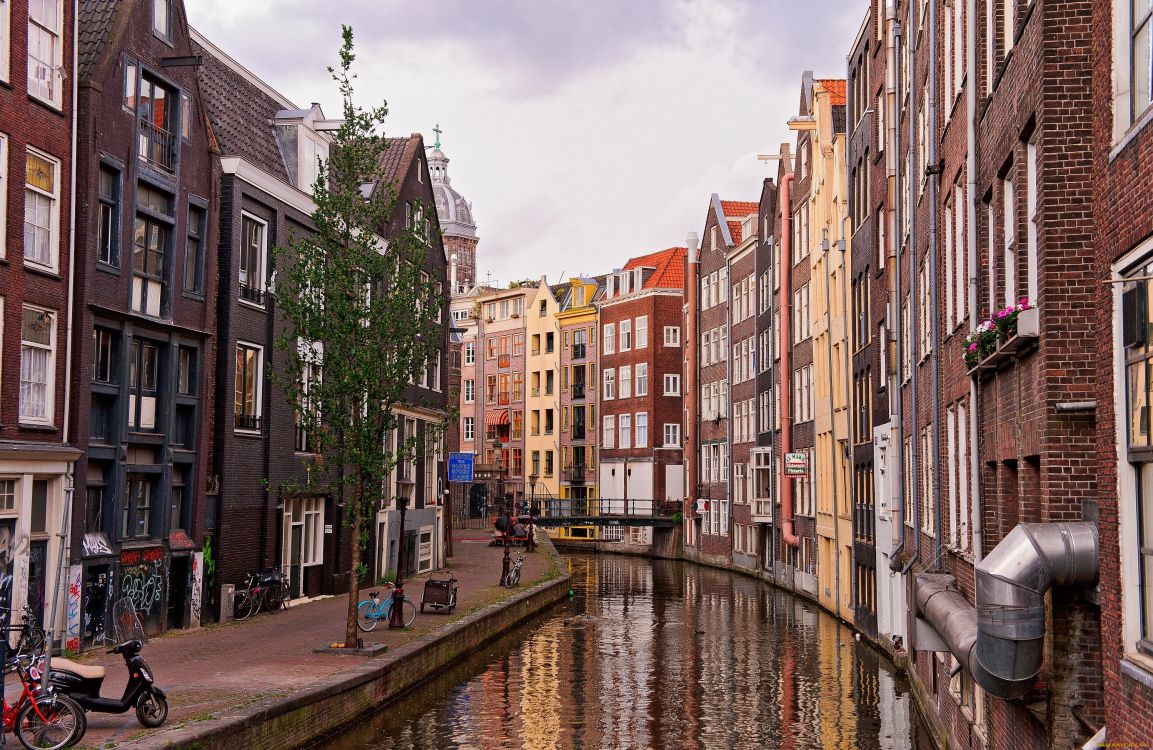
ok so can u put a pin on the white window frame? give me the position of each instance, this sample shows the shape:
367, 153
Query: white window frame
469, 391
470, 353
961, 247
53, 264
258, 396
1033, 218
609, 338
49, 370
3, 153
625, 382
55, 98
672, 435
5, 42
1009, 232
641, 332
672, 384
1129, 114
625, 428
469, 428
312, 523
626, 336
641, 429
262, 272
609, 382
608, 431
641, 379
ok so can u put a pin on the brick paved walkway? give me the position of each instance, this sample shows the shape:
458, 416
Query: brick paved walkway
219, 667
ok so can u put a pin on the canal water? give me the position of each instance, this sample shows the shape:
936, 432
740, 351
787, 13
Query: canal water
659, 654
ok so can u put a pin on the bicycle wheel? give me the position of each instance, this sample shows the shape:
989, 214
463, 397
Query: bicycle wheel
367, 616
49, 723
513, 578
283, 595
409, 612
32, 641
242, 605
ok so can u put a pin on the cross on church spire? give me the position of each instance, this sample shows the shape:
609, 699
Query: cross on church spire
438, 131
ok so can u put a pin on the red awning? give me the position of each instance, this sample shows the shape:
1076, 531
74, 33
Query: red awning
496, 416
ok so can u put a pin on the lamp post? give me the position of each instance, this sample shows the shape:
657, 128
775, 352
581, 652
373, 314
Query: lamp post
530, 544
396, 615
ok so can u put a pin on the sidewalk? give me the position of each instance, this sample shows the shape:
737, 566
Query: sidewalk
219, 667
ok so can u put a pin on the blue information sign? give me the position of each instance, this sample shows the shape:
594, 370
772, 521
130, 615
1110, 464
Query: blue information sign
460, 467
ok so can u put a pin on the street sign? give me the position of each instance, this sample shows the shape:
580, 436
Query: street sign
796, 464
460, 467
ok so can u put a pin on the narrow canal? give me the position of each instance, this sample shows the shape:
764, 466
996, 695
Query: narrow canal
658, 654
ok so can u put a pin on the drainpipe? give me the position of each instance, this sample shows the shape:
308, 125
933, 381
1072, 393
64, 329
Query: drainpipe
691, 452
971, 256
828, 259
728, 407
843, 246
1002, 640
787, 534
895, 288
914, 329
933, 169
772, 425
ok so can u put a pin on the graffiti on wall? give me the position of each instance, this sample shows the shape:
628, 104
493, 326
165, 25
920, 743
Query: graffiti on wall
195, 583
7, 568
94, 545
72, 624
142, 582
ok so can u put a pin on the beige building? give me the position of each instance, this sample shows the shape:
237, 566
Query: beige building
542, 400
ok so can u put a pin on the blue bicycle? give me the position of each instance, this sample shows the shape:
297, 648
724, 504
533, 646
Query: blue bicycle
374, 609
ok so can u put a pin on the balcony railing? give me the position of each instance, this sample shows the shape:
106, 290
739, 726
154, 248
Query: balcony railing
578, 390
503, 361
247, 422
578, 432
574, 474
251, 293
157, 145
578, 351
536, 391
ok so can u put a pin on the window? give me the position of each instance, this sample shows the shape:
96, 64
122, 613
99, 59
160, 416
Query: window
470, 428
37, 365
609, 431
672, 435
154, 211
642, 426
626, 382
45, 50
186, 371
5, 46
470, 353
162, 18
41, 210
1140, 38
609, 338
1031, 189
626, 425
194, 251
155, 111
108, 232
548, 463
626, 335
253, 254
104, 355
642, 380
1008, 24
610, 384
1009, 206
249, 381
185, 116
143, 365
672, 385
136, 518
304, 530
469, 391
961, 250
642, 328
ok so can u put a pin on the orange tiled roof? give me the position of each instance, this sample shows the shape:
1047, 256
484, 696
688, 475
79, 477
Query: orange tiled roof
669, 265
739, 209
735, 231
836, 87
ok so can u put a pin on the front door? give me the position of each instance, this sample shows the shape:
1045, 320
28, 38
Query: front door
179, 575
295, 561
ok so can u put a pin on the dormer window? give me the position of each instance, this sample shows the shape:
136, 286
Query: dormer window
313, 153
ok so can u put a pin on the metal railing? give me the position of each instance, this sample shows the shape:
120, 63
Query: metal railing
578, 390
600, 507
578, 432
251, 293
247, 422
574, 474
578, 351
157, 145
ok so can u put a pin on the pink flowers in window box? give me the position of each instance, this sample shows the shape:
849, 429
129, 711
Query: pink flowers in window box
1001, 327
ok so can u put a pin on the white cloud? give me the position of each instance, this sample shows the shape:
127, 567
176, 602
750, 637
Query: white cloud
584, 131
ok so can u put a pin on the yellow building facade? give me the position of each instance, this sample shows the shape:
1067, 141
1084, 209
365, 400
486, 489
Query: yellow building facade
542, 406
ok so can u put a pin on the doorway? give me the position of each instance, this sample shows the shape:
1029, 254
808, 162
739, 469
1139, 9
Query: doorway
179, 577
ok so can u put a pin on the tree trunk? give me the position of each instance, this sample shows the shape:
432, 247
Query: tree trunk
350, 635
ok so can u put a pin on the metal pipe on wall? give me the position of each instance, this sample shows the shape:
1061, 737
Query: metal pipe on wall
691, 452
971, 256
787, 534
933, 173
894, 140
914, 329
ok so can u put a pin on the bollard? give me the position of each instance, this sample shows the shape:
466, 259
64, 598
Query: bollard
227, 592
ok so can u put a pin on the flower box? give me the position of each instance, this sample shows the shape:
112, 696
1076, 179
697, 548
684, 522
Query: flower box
1022, 332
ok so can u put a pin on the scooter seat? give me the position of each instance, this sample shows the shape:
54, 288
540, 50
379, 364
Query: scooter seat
81, 670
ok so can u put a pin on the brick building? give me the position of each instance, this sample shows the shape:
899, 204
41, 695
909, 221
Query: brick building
640, 365
268, 150
500, 376
1122, 154
145, 315
763, 466
36, 167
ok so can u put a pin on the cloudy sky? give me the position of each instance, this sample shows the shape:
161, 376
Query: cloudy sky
583, 131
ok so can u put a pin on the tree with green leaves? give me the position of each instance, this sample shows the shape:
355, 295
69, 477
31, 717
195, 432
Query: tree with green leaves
362, 320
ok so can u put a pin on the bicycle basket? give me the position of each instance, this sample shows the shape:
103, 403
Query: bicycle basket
126, 625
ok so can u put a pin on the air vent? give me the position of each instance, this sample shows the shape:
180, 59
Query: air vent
1133, 316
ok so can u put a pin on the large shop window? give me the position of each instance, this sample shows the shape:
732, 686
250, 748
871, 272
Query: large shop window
1137, 335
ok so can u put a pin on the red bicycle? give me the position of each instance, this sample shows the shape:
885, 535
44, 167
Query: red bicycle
41, 720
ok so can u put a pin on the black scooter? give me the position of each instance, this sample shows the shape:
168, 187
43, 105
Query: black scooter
82, 682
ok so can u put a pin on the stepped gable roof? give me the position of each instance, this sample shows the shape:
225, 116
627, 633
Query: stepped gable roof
669, 265
240, 114
97, 18
835, 87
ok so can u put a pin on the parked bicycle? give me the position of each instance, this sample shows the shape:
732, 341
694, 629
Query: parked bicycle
41, 720
266, 590
375, 608
513, 578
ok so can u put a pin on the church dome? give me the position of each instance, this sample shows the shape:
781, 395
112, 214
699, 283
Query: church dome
453, 211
